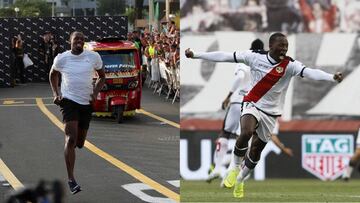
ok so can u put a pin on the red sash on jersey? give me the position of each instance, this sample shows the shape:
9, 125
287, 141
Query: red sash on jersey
267, 82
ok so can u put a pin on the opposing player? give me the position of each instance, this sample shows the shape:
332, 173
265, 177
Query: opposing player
354, 160
271, 72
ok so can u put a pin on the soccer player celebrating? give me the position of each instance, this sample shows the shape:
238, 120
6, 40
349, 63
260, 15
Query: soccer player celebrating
271, 72
233, 104
231, 124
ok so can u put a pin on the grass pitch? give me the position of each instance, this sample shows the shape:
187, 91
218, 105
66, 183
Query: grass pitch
274, 190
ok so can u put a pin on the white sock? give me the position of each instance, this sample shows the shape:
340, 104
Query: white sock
348, 172
236, 160
220, 151
234, 164
244, 172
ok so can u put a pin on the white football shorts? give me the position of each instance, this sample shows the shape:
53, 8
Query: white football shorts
232, 118
266, 123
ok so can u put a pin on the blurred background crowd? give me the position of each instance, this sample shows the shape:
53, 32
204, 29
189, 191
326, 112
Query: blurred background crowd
160, 50
291, 16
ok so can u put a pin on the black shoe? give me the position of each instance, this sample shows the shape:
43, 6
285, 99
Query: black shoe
74, 187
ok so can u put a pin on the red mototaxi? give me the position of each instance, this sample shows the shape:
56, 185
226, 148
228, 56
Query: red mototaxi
121, 94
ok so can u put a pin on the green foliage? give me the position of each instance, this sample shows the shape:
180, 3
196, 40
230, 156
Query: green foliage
32, 8
111, 7
131, 14
7, 12
177, 19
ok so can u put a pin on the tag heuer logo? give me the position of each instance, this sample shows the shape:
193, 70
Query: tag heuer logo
326, 156
279, 69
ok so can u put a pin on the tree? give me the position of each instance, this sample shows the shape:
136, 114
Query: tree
111, 7
139, 8
32, 8
177, 19
7, 12
130, 13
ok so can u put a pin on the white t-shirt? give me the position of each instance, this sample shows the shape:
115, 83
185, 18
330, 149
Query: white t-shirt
77, 73
241, 83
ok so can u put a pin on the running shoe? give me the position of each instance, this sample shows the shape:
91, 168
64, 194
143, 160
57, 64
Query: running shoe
212, 176
230, 179
74, 187
239, 190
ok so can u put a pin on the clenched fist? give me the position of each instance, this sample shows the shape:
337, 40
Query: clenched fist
189, 53
338, 77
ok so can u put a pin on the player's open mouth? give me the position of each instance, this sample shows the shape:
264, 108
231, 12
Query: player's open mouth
282, 56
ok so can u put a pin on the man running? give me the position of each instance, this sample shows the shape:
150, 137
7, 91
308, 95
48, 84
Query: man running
77, 67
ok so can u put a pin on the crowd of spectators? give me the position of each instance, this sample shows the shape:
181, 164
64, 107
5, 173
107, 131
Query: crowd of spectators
160, 53
48, 49
315, 16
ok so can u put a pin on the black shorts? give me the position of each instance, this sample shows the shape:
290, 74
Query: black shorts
73, 111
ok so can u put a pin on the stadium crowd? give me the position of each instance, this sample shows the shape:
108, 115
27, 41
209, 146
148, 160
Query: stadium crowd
315, 16
160, 50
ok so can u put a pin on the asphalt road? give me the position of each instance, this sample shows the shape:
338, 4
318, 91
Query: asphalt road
137, 161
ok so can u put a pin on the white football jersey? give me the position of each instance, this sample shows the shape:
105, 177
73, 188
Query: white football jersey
241, 83
261, 64
269, 80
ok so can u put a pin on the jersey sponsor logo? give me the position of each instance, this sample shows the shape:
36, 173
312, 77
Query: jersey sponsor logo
326, 156
279, 69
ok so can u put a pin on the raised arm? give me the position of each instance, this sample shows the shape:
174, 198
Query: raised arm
317, 74
216, 56
314, 74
